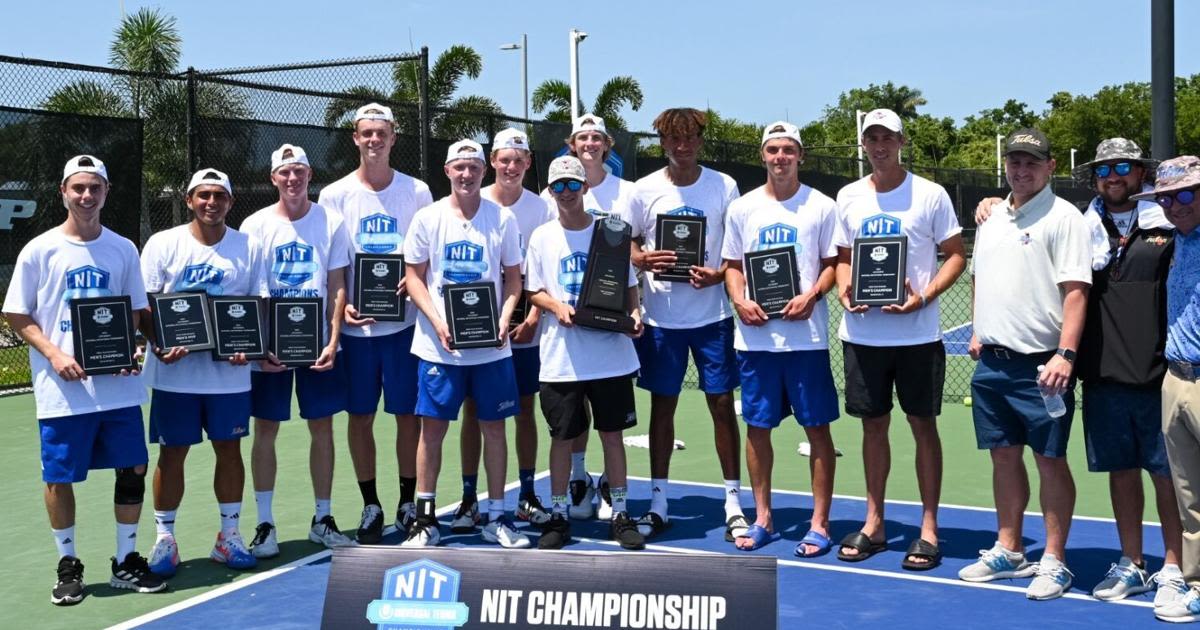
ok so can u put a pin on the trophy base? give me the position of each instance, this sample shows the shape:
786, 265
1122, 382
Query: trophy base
603, 320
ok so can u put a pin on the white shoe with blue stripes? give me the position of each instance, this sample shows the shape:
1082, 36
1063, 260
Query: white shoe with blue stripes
1052, 580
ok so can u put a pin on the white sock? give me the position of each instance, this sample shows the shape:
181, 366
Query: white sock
126, 540
658, 497
495, 509
733, 497
618, 494
578, 466
1168, 568
263, 501
230, 514
64, 540
323, 508
164, 522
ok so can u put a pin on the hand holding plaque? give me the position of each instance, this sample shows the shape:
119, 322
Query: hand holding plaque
471, 315
603, 301
878, 271
684, 235
771, 279
102, 331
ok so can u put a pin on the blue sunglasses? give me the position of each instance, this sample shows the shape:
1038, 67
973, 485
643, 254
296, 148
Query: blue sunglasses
573, 185
1122, 169
1183, 198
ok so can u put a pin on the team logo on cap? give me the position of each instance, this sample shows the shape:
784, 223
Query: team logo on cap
1026, 138
102, 315
180, 306
296, 314
778, 129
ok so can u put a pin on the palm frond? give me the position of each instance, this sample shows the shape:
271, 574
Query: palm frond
337, 113
451, 66
146, 41
613, 95
88, 98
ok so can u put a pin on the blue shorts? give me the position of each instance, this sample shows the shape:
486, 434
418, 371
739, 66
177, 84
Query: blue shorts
778, 384
527, 362
442, 388
73, 445
1009, 411
663, 353
1122, 427
176, 418
376, 365
320, 394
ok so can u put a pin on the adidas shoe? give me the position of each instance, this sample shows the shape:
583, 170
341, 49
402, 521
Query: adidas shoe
370, 527
134, 574
604, 509
502, 532
230, 550
1170, 585
406, 517
164, 557
1053, 579
264, 544
423, 534
530, 509
582, 493
1122, 580
466, 518
625, 531
1183, 610
325, 532
68, 589
556, 533
997, 563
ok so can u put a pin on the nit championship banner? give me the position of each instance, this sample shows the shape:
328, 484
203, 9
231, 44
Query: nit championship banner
391, 588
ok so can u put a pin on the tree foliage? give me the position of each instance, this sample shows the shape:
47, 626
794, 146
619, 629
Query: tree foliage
553, 96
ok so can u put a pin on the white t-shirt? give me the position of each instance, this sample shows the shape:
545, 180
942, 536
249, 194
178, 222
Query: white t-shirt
458, 252
920, 210
531, 211
50, 271
808, 222
679, 304
1019, 261
173, 260
1149, 215
297, 256
611, 196
376, 222
557, 262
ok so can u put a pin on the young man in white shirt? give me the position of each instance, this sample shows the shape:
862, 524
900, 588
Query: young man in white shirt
86, 422
784, 361
378, 203
510, 158
305, 252
898, 346
683, 317
571, 378
460, 239
193, 392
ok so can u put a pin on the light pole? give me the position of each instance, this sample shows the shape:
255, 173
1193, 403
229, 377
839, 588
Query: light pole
1073, 159
999, 141
576, 36
524, 48
858, 120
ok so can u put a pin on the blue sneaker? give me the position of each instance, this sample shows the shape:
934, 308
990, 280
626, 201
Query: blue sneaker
1184, 610
164, 558
997, 563
1122, 580
230, 550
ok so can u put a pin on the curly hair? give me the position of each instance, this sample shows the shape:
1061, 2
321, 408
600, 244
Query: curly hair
681, 121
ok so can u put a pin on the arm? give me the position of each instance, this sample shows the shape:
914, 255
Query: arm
512, 292
844, 269
334, 310
974, 348
546, 302
62, 363
748, 311
419, 292
801, 306
956, 261
635, 311
1058, 370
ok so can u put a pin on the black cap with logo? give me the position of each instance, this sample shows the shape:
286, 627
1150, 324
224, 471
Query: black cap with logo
1028, 140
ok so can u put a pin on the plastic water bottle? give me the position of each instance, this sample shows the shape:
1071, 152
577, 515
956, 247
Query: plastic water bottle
1054, 402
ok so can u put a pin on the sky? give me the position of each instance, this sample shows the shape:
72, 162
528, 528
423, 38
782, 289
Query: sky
753, 60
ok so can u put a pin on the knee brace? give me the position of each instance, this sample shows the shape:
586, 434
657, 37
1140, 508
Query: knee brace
130, 487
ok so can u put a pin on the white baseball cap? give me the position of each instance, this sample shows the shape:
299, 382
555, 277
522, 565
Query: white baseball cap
288, 154
210, 176
465, 150
374, 111
510, 139
781, 129
84, 164
566, 167
885, 118
588, 122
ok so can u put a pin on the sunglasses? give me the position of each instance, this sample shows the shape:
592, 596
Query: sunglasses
1122, 169
573, 185
1183, 198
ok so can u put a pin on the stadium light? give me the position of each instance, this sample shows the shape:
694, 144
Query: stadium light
576, 36
524, 48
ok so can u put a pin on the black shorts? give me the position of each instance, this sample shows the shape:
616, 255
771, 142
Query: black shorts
611, 400
918, 373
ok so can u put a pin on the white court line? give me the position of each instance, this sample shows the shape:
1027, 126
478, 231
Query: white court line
958, 327
277, 571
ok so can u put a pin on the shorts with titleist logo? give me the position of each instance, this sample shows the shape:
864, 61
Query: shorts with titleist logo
611, 400
176, 419
441, 389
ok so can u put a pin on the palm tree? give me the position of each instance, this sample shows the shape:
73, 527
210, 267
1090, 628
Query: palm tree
554, 96
901, 99
450, 116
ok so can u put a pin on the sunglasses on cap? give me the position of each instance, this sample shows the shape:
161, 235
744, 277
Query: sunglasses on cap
1182, 197
1122, 169
573, 185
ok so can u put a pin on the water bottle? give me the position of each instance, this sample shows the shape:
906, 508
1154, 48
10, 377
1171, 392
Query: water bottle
1054, 402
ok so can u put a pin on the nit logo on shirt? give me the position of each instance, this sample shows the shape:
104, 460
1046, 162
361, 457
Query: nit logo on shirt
570, 274
378, 234
203, 277
686, 211
294, 264
462, 261
86, 282
777, 235
880, 225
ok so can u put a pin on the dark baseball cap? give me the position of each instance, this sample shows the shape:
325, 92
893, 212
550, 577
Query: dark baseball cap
1028, 140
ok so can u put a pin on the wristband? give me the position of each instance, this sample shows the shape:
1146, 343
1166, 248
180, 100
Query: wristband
924, 302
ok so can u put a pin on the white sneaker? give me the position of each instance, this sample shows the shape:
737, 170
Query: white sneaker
164, 557
1122, 580
466, 518
604, 509
1183, 610
423, 535
264, 544
582, 492
1170, 585
325, 532
501, 531
997, 563
1053, 579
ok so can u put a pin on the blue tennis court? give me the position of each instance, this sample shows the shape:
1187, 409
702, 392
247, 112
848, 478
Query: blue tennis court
958, 339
